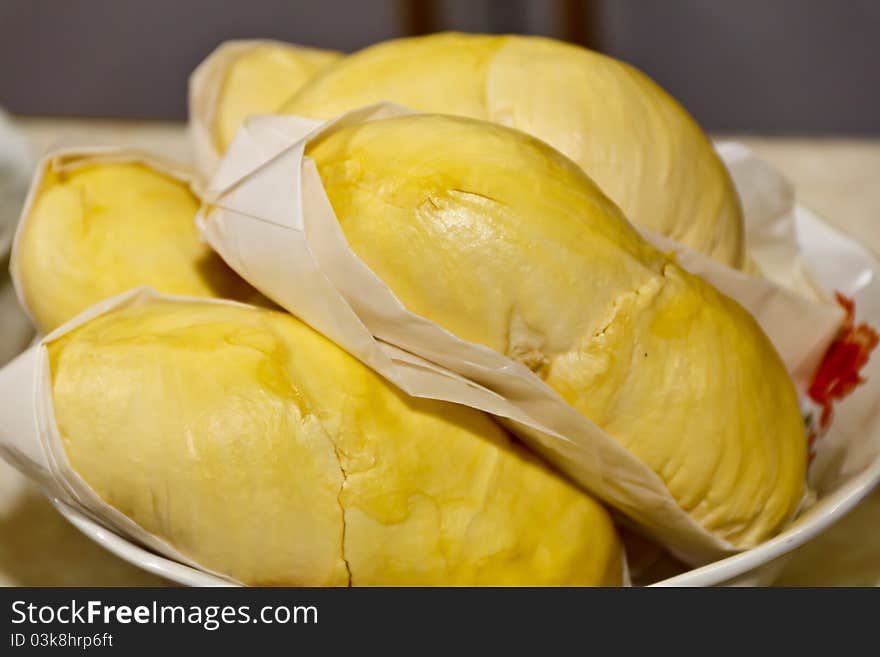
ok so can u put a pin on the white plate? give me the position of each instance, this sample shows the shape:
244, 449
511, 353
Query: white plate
835, 260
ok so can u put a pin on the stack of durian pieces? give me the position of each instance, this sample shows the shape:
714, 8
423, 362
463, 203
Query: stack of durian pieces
261, 450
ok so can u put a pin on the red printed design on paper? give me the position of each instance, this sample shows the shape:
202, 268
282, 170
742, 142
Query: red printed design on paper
840, 371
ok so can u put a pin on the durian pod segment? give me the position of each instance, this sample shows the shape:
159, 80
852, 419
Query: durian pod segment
640, 146
240, 79
261, 450
268, 215
501, 240
101, 221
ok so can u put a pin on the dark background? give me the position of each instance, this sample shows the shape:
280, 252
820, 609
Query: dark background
778, 66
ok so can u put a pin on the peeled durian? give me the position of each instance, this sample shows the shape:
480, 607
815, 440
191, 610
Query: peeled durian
99, 227
260, 79
261, 450
633, 139
498, 238
244, 78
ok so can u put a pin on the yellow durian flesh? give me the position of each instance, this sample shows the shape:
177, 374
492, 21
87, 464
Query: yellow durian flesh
262, 450
638, 144
500, 239
100, 229
259, 80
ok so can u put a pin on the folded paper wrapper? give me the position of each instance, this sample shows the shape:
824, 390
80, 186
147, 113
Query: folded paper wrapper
205, 86
267, 215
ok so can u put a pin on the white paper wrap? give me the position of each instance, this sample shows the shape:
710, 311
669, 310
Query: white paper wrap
69, 159
205, 85
267, 215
